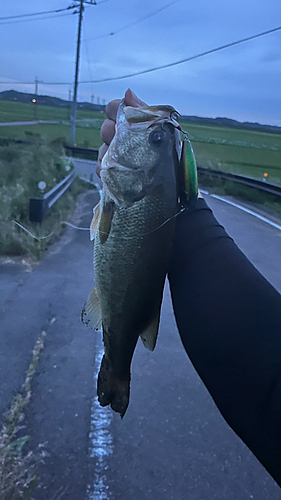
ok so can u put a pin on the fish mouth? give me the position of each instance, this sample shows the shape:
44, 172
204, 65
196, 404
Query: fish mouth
146, 114
110, 164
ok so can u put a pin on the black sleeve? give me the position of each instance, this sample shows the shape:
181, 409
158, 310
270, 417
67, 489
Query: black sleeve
229, 319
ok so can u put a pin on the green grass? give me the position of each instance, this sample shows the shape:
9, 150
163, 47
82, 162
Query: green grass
86, 136
15, 241
87, 132
21, 168
245, 193
243, 152
231, 134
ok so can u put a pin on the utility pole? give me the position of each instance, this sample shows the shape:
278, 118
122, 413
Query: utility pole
36, 85
69, 106
74, 102
36, 94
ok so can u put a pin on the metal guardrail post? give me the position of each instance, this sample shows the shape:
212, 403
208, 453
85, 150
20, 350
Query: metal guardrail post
38, 208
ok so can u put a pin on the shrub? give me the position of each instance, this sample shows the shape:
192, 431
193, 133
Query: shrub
22, 167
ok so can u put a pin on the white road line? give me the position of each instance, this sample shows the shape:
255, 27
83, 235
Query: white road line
203, 191
101, 443
264, 219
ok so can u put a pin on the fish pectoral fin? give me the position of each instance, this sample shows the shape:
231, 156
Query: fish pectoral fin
95, 221
91, 313
149, 336
105, 220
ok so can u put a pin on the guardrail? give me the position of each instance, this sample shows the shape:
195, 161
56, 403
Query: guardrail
246, 181
39, 207
77, 152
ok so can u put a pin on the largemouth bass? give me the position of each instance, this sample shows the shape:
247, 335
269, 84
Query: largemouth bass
133, 226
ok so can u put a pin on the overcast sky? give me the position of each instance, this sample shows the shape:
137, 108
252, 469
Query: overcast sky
241, 82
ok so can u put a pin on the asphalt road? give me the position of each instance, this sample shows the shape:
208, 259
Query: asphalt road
32, 122
173, 443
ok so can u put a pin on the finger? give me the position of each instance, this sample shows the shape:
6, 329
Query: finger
103, 149
107, 131
111, 109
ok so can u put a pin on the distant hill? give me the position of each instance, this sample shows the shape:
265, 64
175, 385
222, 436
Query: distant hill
13, 95
228, 122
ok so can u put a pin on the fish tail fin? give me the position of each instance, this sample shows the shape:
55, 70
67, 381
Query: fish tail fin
112, 390
91, 313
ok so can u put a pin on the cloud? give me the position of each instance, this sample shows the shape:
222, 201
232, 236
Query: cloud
241, 82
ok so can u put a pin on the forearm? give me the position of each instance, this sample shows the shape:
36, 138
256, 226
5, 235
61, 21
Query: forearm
229, 319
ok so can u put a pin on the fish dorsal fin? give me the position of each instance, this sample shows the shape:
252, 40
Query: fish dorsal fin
91, 313
95, 221
149, 336
105, 220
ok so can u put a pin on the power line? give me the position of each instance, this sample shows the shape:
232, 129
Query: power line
16, 82
37, 13
38, 18
46, 17
87, 55
133, 23
156, 68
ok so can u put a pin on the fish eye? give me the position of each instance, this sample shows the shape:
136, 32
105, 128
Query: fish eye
156, 138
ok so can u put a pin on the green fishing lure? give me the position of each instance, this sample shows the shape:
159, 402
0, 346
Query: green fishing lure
187, 175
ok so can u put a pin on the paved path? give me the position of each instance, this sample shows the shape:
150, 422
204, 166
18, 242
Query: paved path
172, 444
86, 170
51, 298
33, 122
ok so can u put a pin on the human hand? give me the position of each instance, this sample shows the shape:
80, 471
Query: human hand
108, 127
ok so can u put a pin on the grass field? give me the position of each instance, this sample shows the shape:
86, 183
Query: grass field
11, 111
244, 152
86, 136
87, 128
